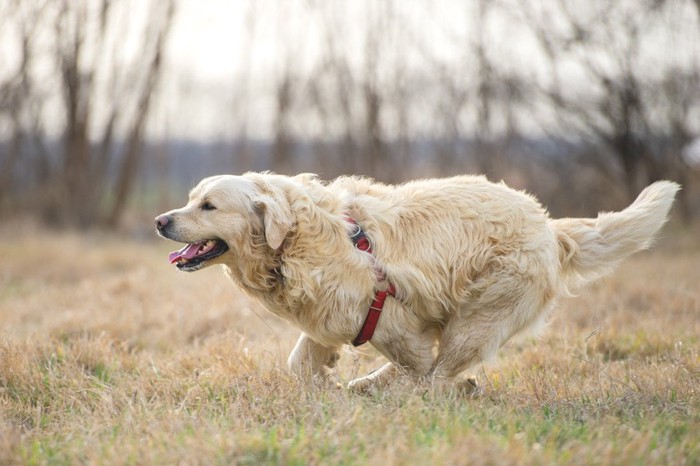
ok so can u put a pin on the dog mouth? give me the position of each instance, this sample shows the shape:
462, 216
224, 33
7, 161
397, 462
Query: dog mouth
193, 256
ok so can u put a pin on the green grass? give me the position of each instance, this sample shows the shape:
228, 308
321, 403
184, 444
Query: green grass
118, 359
268, 418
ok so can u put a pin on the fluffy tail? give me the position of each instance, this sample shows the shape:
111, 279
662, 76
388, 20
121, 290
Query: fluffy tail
590, 247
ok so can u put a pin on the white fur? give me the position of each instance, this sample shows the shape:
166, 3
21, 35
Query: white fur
473, 262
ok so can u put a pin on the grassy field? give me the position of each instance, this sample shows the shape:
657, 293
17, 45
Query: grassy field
108, 355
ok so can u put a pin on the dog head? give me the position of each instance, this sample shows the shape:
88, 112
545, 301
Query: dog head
225, 214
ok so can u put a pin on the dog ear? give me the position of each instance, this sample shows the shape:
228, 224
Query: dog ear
277, 219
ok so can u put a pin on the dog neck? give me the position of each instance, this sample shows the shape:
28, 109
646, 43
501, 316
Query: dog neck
256, 268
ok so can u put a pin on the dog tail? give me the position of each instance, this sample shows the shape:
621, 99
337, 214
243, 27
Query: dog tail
591, 247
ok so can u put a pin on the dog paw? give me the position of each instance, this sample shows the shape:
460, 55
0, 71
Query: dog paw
459, 388
332, 360
377, 379
469, 387
361, 386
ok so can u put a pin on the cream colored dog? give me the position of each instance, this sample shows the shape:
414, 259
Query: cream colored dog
473, 262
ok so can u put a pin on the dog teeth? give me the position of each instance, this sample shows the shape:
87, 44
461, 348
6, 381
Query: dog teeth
206, 247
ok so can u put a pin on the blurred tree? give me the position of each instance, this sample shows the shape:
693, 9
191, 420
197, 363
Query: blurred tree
104, 63
331, 90
242, 156
629, 98
19, 109
285, 89
371, 87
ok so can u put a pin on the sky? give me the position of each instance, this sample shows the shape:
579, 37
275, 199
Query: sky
220, 47
225, 55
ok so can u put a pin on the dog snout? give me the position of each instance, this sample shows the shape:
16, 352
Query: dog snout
162, 221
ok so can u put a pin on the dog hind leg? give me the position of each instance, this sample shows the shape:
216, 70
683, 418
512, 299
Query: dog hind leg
468, 341
410, 353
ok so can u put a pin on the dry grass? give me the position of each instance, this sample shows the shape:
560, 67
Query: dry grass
108, 355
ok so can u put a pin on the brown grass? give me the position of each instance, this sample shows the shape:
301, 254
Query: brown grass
109, 355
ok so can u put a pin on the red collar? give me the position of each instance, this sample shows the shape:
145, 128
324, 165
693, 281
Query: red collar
361, 242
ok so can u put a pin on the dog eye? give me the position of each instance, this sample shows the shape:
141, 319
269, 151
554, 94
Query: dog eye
208, 206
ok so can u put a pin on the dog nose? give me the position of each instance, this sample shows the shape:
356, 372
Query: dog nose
162, 221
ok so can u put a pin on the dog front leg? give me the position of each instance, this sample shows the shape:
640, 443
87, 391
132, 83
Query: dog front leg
310, 359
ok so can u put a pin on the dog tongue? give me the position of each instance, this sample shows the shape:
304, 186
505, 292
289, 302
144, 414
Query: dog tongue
188, 252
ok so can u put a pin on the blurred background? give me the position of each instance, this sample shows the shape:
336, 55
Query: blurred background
111, 110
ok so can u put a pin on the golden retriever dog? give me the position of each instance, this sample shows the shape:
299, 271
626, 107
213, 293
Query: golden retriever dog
461, 264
